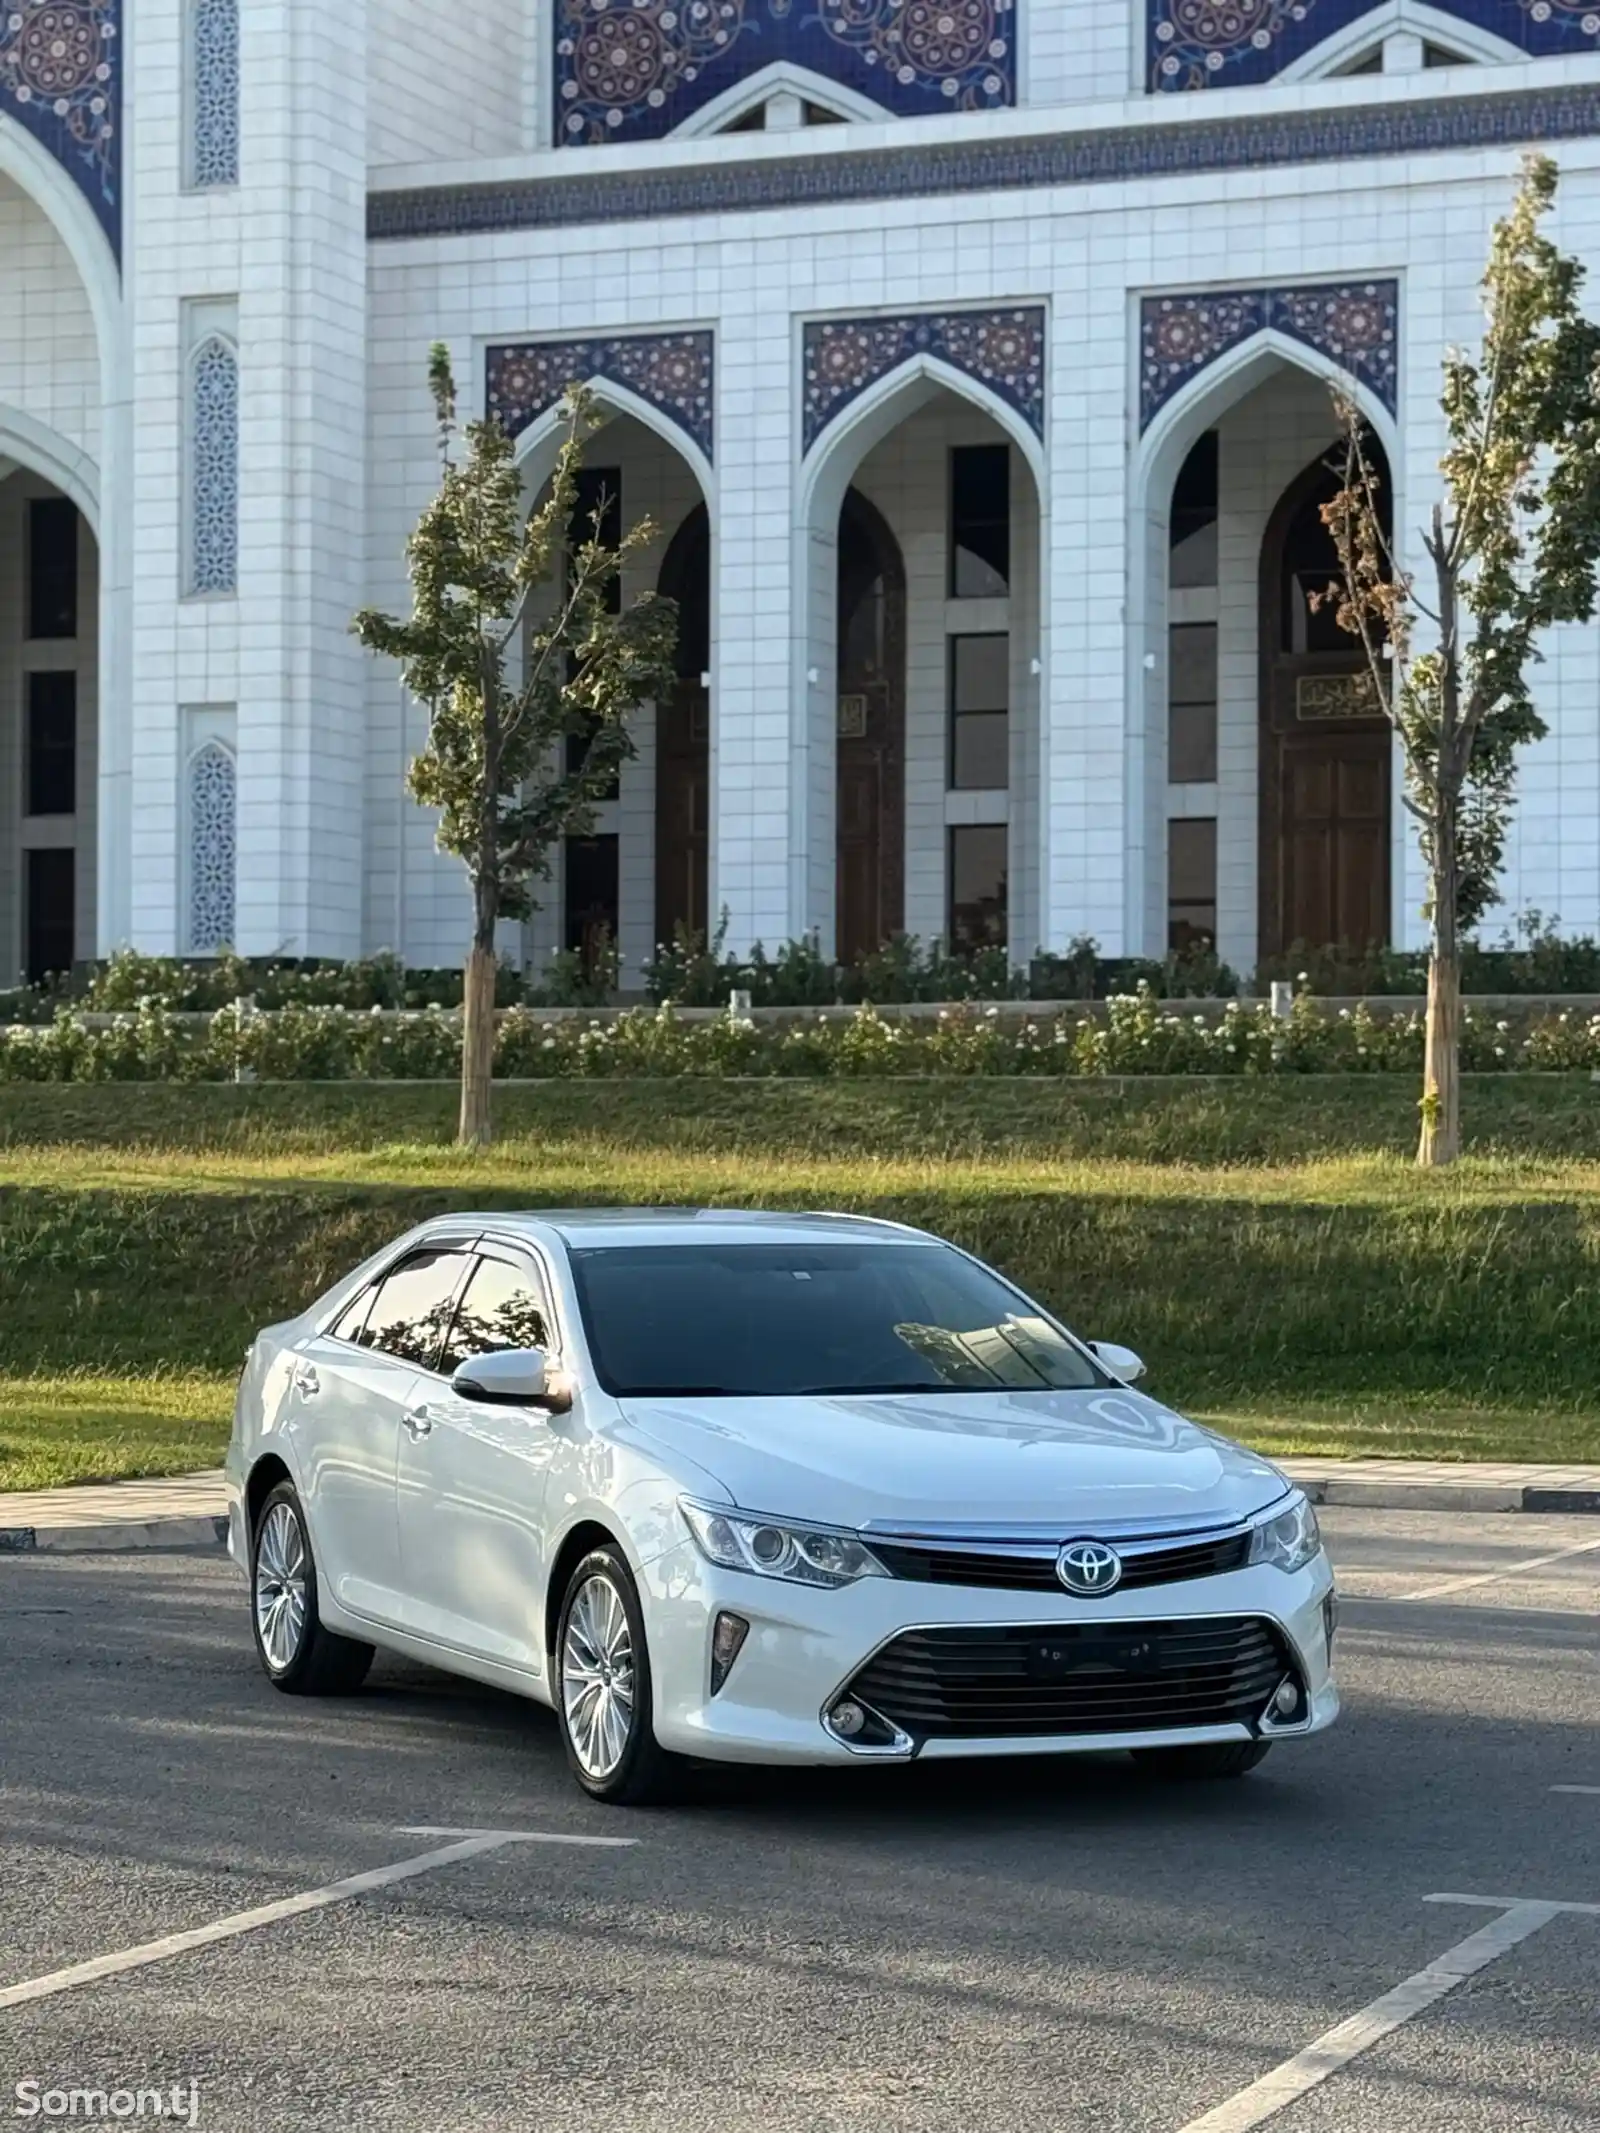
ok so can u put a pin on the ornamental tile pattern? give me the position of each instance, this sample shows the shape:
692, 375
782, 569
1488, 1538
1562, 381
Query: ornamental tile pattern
1001, 349
632, 70
670, 371
1354, 323
213, 848
1177, 147
214, 468
60, 77
1213, 44
214, 93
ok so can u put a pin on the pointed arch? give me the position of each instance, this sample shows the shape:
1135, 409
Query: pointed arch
783, 74
538, 446
1435, 25
44, 451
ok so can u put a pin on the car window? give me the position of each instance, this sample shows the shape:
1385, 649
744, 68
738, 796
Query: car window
503, 1307
801, 1318
411, 1310
347, 1326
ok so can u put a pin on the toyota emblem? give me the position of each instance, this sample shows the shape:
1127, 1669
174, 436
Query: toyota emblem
1089, 1567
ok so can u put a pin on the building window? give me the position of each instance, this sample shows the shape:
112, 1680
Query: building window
980, 521
52, 567
980, 694
213, 467
596, 516
213, 801
213, 71
592, 896
1193, 531
50, 745
1192, 703
978, 886
1191, 883
50, 916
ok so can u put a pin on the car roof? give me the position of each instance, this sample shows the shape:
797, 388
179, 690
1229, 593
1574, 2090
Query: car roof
599, 1227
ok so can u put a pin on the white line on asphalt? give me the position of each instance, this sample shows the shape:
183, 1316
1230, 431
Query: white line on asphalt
1493, 1577
470, 1846
1510, 1903
1336, 2047
1590, 1791
518, 1836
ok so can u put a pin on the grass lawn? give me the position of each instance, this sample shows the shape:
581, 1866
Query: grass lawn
1266, 1245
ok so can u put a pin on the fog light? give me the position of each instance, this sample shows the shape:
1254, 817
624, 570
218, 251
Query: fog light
1287, 1700
847, 1720
728, 1633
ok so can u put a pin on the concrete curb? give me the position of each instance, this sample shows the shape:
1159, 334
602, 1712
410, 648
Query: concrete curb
1452, 1496
173, 1534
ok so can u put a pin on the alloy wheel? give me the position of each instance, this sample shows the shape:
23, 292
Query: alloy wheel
597, 1677
282, 1585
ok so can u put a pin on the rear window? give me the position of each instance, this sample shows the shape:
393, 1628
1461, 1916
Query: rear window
779, 1319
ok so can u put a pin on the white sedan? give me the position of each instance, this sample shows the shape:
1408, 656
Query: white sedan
764, 1488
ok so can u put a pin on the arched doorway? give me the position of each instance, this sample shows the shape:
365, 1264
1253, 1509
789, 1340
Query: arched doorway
871, 654
683, 739
1326, 750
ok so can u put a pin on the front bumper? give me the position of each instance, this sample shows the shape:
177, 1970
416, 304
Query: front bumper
806, 1646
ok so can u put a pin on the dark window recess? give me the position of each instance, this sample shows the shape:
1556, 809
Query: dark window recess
592, 896
820, 115
52, 567
978, 886
1192, 883
50, 928
596, 516
348, 1325
1437, 55
980, 694
50, 753
1192, 703
1193, 529
980, 521
411, 1312
501, 1309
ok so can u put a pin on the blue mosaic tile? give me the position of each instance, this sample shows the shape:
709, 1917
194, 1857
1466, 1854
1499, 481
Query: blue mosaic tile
670, 371
60, 76
1164, 148
632, 70
1002, 349
1354, 323
1217, 44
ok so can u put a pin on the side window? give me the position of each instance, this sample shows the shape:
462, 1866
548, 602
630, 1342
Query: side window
503, 1307
411, 1310
347, 1326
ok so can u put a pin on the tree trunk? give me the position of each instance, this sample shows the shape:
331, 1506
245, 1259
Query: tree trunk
1440, 1141
477, 1043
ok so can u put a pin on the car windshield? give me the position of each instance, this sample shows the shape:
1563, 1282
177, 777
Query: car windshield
773, 1319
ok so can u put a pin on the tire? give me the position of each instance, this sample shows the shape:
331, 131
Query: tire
297, 1654
1208, 1760
604, 1705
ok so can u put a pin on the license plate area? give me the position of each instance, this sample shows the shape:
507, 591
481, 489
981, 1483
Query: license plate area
1092, 1650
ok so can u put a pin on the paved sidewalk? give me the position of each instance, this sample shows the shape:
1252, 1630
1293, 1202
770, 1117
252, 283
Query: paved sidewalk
190, 1511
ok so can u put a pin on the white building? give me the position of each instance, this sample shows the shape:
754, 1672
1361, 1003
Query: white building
971, 358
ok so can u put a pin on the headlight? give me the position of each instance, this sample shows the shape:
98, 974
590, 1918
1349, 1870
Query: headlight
803, 1555
1289, 1539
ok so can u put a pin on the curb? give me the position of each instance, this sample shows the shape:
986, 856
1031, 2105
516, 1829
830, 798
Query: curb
185, 1534
1452, 1496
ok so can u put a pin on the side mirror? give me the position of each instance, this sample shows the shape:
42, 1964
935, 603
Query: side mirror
512, 1377
1121, 1362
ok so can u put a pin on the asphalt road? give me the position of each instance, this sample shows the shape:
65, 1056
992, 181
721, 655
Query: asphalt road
1053, 1945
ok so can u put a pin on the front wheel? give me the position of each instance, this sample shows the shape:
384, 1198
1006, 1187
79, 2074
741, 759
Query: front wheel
1207, 1759
298, 1654
603, 1692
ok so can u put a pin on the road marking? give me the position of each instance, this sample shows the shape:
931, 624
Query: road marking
1336, 2047
1493, 1577
521, 1836
1589, 1791
470, 1845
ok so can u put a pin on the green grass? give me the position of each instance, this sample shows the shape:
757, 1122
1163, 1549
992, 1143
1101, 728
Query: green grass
1266, 1245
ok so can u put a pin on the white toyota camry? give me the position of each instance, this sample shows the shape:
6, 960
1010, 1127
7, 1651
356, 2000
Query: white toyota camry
764, 1488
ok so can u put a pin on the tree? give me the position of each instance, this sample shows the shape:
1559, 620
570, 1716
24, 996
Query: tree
508, 678
1512, 548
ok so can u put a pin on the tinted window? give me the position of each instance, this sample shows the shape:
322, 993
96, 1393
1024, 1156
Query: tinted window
52, 567
412, 1308
347, 1326
782, 1318
502, 1308
50, 750
980, 521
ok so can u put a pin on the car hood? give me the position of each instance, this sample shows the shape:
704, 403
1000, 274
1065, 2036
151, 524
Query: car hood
1030, 1461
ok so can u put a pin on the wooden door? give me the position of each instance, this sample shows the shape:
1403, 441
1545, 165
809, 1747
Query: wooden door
871, 730
1333, 840
683, 791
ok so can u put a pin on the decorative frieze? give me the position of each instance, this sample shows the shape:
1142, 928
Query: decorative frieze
1355, 324
672, 372
1003, 350
60, 76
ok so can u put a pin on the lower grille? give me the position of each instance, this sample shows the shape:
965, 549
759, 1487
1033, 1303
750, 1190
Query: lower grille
1034, 1570
950, 1684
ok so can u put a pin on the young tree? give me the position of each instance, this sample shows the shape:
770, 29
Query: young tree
1512, 548
507, 679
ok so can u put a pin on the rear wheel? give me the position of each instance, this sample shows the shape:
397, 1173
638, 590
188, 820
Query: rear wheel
1208, 1759
297, 1653
603, 1689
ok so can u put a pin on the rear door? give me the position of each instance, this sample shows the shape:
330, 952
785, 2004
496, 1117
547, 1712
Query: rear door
472, 1479
351, 1390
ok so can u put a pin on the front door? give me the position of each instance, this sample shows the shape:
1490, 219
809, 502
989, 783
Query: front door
683, 814
871, 729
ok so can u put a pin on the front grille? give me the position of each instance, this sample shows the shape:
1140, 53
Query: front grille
1080, 1677
1034, 1570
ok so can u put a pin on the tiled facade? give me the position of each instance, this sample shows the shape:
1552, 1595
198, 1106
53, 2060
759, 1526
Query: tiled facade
1053, 264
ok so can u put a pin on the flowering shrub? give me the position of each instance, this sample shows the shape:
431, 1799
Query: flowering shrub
1136, 1034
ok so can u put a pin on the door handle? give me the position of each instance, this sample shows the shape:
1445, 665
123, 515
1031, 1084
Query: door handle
306, 1381
419, 1421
